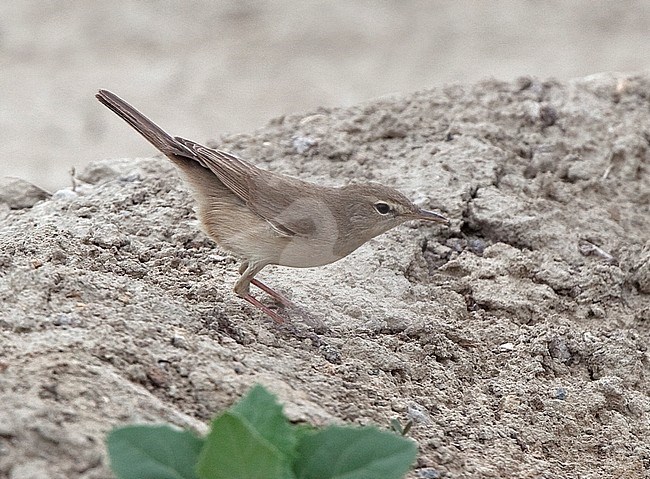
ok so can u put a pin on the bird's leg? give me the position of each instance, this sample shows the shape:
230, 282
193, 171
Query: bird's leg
255, 302
242, 289
274, 294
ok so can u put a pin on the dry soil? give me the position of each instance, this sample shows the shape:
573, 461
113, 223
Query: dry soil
515, 340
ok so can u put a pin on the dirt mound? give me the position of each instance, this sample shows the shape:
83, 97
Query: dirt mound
515, 340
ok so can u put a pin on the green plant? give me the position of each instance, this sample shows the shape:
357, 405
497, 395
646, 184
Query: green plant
254, 440
397, 428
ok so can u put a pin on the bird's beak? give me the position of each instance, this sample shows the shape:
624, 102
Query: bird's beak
431, 216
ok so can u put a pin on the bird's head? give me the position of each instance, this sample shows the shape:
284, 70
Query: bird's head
372, 209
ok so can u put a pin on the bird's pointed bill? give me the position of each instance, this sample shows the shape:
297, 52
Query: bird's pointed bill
431, 216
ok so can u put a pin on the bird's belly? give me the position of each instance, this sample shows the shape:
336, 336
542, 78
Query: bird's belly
247, 236
306, 253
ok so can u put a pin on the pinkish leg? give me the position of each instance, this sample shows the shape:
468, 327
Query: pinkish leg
275, 316
275, 295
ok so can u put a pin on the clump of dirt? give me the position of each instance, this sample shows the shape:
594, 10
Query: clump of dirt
515, 340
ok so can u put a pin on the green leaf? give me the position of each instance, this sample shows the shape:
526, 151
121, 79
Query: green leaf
153, 452
353, 453
303, 429
264, 414
235, 450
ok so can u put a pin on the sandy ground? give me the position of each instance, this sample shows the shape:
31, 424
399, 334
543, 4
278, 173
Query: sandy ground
204, 68
516, 340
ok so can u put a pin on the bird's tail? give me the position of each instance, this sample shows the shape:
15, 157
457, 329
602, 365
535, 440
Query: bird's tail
147, 128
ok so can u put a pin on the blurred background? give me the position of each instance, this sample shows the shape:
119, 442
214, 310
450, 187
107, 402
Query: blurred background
204, 68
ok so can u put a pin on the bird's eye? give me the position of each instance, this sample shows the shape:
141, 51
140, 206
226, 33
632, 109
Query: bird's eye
382, 208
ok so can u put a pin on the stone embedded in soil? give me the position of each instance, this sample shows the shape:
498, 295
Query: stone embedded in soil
19, 194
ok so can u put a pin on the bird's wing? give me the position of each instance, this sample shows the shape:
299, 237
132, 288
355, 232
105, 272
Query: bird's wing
231, 171
275, 198
285, 202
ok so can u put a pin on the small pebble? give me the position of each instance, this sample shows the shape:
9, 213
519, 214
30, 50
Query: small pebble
62, 319
303, 143
418, 413
560, 393
180, 342
477, 246
428, 473
65, 194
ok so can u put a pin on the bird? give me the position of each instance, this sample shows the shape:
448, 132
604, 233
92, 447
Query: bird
268, 218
